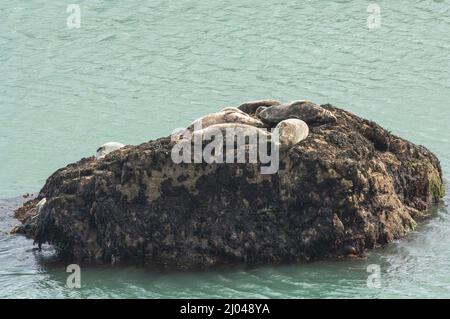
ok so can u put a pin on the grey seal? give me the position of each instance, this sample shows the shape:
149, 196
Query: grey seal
251, 107
227, 115
303, 110
290, 132
236, 129
107, 148
233, 109
240, 137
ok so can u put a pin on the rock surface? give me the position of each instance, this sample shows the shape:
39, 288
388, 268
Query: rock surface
350, 186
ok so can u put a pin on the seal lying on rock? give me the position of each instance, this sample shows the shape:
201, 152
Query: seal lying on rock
227, 115
107, 148
230, 133
233, 129
251, 107
233, 109
291, 132
303, 110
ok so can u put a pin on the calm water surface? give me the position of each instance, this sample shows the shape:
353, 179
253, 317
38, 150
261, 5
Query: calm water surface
136, 71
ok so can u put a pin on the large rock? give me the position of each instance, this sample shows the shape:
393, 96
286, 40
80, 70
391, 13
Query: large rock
350, 186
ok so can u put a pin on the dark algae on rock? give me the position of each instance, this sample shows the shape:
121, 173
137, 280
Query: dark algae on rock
348, 187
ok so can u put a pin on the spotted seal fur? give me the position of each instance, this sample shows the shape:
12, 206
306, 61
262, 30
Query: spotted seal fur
307, 111
251, 107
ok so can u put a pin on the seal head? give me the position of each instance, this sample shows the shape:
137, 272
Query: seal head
290, 132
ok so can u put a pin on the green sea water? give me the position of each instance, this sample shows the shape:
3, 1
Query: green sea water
136, 70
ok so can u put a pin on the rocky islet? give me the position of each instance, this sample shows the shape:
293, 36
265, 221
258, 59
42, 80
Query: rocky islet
349, 186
